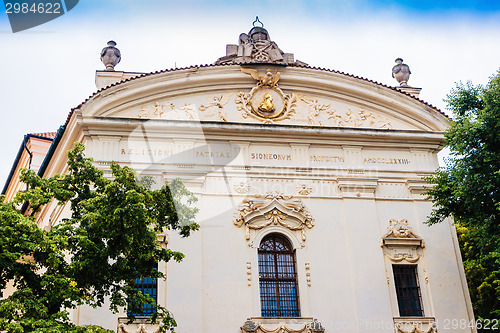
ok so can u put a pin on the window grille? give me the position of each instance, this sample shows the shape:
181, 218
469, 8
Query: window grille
277, 278
148, 286
407, 290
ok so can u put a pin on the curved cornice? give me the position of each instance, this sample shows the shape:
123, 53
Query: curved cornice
384, 100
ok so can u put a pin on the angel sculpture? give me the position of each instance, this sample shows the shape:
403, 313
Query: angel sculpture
268, 80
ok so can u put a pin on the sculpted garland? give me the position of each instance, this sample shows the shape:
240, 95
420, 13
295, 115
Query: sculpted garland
266, 103
251, 326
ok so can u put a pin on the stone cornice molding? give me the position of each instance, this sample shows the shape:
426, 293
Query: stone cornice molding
358, 185
160, 128
418, 186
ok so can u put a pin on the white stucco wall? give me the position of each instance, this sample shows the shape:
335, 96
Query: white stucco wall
352, 180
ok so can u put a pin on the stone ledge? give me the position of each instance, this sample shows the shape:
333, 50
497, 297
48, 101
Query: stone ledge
275, 325
139, 325
415, 325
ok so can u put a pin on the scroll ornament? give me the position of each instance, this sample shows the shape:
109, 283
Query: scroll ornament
403, 241
403, 257
399, 229
274, 209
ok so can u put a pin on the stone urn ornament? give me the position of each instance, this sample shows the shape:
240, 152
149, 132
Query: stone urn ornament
110, 56
401, 72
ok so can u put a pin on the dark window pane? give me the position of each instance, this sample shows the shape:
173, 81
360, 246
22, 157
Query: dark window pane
277, 278
147, 286
407, 290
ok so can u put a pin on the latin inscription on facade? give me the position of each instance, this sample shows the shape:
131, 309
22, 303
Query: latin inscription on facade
260, 155
213, 154
326, 158
154, 152
279, 157
383, 160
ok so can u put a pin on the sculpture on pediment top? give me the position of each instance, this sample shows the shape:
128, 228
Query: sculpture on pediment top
399, 229
256, 47
401, 72
110, 56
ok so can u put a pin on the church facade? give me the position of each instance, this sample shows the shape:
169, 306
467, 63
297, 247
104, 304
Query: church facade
310, 186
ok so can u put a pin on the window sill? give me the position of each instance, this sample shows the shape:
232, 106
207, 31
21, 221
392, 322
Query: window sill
408, 324
139, 325
282, 324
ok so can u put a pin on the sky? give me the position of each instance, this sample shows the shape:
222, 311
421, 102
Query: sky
47, 70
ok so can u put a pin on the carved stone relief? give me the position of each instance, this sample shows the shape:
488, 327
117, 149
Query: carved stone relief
249, 273
308, 274
256, 47
245, 186
267, 104
400, 243
299, 325
215, 107
273, 209
304, 189
242, 187
399, 229
140, 325
168, 111
415, 325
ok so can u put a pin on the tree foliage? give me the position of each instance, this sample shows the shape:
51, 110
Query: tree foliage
109, 241
468, 189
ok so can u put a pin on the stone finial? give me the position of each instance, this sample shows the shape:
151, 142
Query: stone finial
256, 47
110, 56
401, 72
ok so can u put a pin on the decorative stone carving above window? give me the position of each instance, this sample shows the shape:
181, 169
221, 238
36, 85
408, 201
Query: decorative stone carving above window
242, 187
273, 209
401, 243
281, 325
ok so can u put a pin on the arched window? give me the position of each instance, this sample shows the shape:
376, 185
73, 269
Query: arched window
278, 278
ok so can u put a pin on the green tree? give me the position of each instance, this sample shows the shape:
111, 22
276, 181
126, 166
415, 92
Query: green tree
109, 241
468, 189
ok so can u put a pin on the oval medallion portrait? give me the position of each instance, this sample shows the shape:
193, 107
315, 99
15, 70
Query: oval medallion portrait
267, 102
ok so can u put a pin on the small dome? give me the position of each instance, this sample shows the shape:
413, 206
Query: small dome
259, 33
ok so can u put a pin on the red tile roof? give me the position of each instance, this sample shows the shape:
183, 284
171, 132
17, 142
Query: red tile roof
48, 135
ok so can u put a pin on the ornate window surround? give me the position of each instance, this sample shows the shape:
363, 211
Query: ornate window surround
273, 212
255, 214
401, 246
